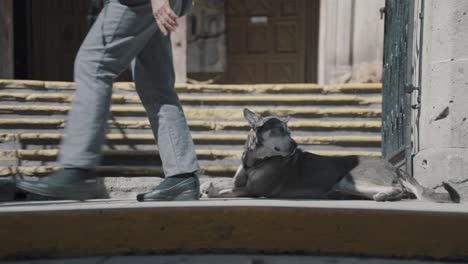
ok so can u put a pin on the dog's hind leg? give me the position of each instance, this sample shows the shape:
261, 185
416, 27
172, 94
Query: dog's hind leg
423, 193
393, 194
233, 193
369, 190
240, 178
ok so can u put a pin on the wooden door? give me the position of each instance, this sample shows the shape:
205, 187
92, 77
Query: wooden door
396, 104
6, 39
57, 30
266, 41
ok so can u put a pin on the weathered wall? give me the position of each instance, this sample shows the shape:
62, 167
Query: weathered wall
6, 39
351, 41
206, 37
442, 152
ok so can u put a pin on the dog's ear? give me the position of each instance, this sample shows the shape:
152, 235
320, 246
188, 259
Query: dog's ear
253, 118
285, 119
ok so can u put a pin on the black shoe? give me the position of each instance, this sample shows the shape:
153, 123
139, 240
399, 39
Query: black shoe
184, 187
68, 183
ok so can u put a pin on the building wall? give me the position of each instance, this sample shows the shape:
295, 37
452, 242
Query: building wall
442, 128
6, 39
351, 41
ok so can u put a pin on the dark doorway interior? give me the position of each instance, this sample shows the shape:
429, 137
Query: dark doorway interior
48, 34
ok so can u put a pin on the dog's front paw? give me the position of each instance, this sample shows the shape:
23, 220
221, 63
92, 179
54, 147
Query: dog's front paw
208, 190
380, 197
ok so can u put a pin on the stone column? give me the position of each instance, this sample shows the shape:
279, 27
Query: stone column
442, 153
6, 39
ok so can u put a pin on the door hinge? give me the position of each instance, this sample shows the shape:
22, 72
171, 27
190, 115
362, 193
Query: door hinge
382, 11
409, 88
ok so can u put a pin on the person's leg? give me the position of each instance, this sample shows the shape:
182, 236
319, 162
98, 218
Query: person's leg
153, 73
117, 36
119, 33
154, 79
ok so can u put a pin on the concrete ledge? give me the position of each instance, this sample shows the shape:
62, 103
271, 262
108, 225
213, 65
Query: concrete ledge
107, 227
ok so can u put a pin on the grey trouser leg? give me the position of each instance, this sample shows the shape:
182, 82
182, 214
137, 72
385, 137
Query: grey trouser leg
119, 34
153, 72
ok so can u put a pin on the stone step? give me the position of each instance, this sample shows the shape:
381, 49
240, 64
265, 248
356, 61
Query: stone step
205, 88
211, 99
328, 120
117, 171
209, 113
149, 155
122, 138
197, 125
199, 113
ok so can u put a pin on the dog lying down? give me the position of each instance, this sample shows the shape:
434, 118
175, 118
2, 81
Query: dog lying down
274, 167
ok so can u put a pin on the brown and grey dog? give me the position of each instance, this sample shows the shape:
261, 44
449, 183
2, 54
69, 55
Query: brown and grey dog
274, 167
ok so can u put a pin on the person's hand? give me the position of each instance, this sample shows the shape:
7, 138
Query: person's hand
165, 17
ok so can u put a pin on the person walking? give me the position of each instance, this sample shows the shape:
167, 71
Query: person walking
136, 33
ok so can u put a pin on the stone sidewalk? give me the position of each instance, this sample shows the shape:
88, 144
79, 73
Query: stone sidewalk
64, 229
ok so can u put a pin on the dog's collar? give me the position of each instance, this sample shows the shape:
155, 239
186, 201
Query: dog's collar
260, 161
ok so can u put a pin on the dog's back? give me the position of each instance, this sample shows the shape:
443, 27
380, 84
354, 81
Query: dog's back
302, 175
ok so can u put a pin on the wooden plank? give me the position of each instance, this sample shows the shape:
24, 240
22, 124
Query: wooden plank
6, 39
68, 229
